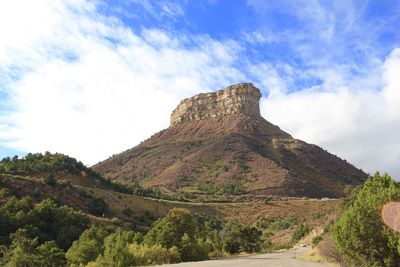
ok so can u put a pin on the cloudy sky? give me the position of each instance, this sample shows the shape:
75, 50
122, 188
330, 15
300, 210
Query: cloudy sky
93, 78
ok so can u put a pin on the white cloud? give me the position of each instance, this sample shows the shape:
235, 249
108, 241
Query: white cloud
362, 126
86, 85
93, 87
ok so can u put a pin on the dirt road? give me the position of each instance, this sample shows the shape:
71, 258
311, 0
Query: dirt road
282, 259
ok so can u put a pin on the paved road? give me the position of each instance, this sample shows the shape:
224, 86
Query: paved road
282, 259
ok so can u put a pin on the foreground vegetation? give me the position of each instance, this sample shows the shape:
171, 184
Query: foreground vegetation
359, 237
360, 234
50, 235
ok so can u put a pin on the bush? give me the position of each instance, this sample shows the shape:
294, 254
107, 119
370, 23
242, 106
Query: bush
168, 231
192, 250
97, 206
178, 228
316, 240
25, 251
88, 247
116, 250
46, 220
360, 235
127, 211
155, 254
241, 239
50, 179
300, 231
329, 250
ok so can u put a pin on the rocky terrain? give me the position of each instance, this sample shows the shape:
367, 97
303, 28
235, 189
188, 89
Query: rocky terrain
218, 143
235, 99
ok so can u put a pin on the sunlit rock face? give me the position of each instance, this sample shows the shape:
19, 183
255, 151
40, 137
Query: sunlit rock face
240, 98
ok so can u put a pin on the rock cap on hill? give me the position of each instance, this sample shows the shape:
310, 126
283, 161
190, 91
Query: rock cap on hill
242, 98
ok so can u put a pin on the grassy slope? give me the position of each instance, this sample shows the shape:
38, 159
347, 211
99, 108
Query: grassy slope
245, 212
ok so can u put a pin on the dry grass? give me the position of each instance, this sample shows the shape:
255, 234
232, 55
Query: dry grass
245, 213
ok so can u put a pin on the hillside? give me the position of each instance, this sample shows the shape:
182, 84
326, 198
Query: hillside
218, 143
28, 176
52, 200
39, 166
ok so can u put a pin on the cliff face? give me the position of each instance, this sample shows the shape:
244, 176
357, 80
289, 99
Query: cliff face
240, 98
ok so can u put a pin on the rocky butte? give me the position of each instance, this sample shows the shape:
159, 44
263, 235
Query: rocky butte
218, 143
239, 98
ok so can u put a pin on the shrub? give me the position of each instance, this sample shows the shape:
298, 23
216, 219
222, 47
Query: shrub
329, 250
46, 220
50, 179
88, 247
192, 250
97, 206
360, 235
168, 231
316, 240
116, 250
155, 254
25, 251
241, 239
178, 228
127, 211
300, 231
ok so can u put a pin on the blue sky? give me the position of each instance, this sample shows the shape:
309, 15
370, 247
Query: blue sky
93, 78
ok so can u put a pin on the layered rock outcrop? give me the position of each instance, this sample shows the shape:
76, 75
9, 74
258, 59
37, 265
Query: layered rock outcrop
239, 98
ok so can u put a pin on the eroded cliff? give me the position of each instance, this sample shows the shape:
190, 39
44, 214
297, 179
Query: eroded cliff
240, 98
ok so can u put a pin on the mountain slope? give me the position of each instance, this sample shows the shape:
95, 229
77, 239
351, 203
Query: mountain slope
236, 152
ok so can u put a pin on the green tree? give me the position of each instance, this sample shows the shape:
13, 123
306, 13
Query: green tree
88, 247
25, 252
241, 239
178, 228
231, 238
98, 206
116, 250
168, 231
154, 255
46, 220
62, 224
250, 239
359, 233
21, 251
191, 250
50, 255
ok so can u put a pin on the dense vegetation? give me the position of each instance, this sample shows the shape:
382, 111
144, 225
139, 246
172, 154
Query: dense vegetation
360, 235
45, 221
38, 162
47, 234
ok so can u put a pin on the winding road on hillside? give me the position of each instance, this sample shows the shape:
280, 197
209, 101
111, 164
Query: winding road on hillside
279, 259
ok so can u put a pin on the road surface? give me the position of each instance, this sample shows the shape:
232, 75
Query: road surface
279, 259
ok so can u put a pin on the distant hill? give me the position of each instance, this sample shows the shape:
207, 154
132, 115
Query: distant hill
218, 143
62, 167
